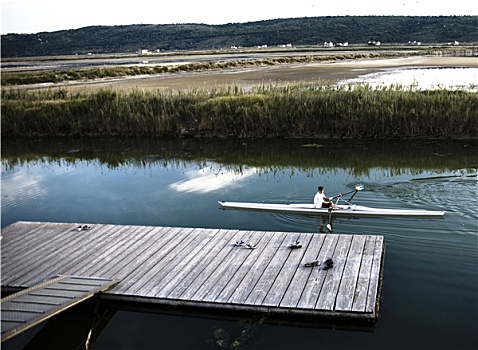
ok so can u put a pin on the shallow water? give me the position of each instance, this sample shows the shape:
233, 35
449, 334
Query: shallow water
430, 269
428, 78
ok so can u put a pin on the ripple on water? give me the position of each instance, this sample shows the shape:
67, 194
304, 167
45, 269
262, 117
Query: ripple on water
22, 189
442, 193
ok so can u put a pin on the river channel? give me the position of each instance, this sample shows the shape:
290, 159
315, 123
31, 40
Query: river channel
430, 282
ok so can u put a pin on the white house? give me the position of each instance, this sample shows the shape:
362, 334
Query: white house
143, 52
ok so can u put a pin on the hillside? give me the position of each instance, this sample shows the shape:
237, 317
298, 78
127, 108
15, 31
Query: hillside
297, 31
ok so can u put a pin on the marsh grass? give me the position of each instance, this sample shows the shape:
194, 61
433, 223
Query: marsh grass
266, 111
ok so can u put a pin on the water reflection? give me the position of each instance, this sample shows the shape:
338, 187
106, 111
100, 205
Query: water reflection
357, 156
430, 280
210, 178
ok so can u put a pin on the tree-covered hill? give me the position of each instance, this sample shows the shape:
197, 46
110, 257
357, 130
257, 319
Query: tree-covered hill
296, 31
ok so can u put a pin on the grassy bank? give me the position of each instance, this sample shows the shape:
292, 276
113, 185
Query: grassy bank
267, 111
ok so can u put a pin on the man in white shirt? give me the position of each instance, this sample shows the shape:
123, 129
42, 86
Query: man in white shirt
321, 201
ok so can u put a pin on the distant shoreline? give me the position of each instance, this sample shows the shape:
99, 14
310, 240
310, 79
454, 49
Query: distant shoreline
326, 72
299, 99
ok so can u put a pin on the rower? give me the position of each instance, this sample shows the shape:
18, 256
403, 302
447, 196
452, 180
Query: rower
321, 201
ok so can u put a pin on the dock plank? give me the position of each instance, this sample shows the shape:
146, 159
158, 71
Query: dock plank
328, 293
147, 263
20, 232
248, 258
68, 254
44, 256
361, 291
262, 258
111, 261
302, 275
87, 246
191, 280
313, 288
194, 242
20, 259
271, 274
181, 274
225, 268
286, 274
375, 279
163, 260
348, 283
211, 267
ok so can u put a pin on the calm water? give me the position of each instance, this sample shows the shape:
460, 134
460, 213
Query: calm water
430, 286
428, 78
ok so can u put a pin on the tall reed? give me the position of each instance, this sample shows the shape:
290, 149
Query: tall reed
266, 111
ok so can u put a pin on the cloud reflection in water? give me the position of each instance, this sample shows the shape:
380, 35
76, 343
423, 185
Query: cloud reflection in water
208, 179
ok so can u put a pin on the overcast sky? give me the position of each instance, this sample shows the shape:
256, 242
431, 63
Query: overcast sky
33, 16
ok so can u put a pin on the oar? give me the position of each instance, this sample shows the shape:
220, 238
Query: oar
357, 188
329, 225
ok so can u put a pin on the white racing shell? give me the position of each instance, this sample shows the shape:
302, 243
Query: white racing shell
348, 210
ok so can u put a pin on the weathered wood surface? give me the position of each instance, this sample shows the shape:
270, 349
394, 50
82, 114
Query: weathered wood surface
29, 307
203, 267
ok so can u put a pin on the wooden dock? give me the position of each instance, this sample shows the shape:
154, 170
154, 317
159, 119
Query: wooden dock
205, 269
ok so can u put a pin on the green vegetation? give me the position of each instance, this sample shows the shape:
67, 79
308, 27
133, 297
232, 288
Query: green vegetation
296, 31
266, 111
58, 76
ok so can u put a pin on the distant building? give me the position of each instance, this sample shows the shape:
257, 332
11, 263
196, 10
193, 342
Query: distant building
346, 43
328, 44
143, 52
375, 43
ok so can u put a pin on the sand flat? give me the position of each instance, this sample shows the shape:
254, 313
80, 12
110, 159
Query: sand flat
317, 72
